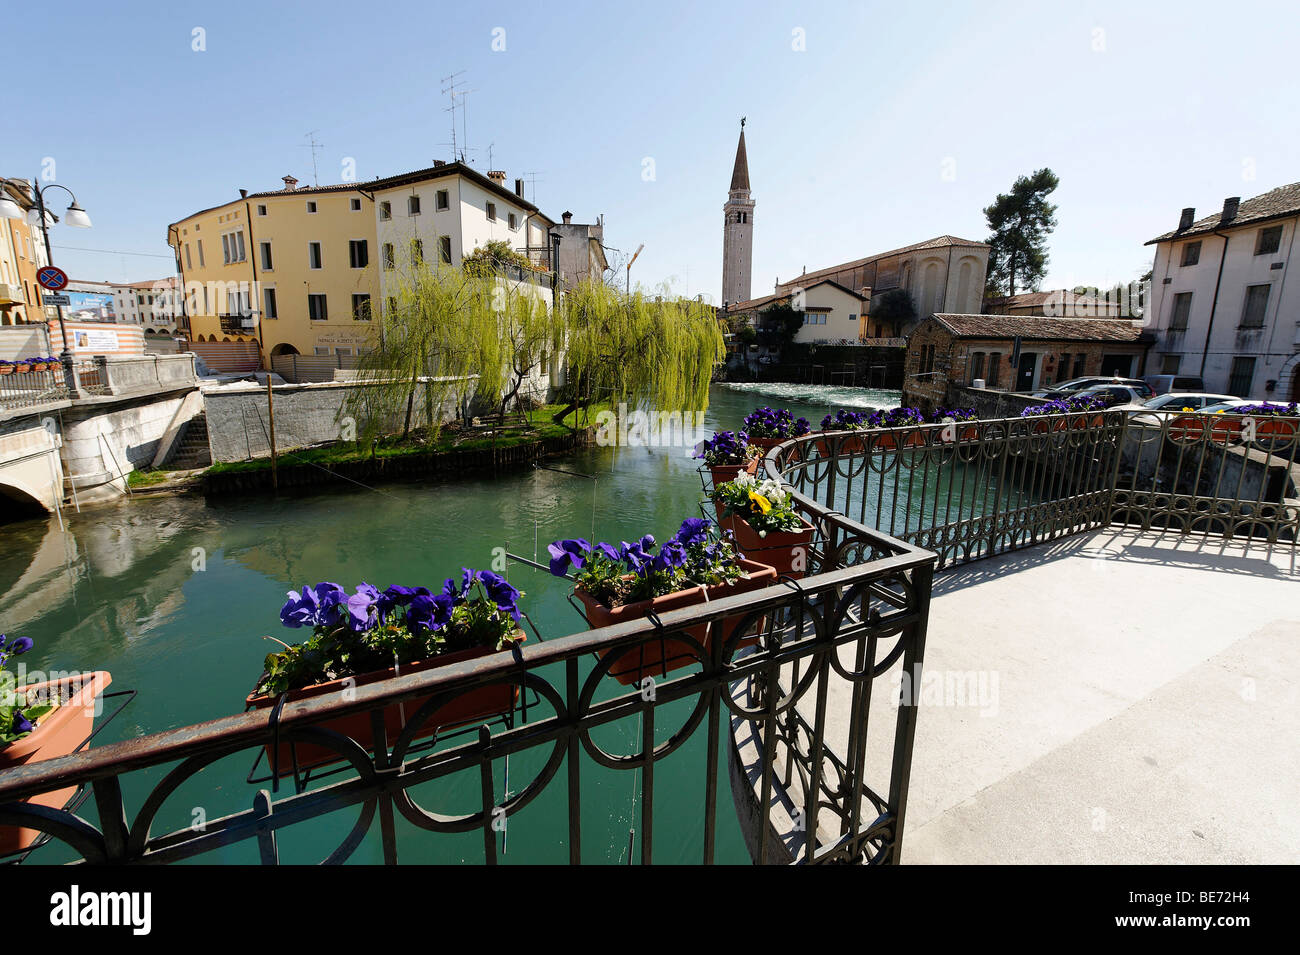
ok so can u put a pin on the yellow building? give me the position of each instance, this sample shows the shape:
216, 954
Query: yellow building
292, 269
22, 252
299, 270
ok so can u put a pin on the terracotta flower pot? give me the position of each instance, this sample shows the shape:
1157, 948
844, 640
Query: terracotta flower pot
849, 444
781, 550
23, 367
767, 443
471, 707
57, 734
722, 473
656, 657
889, 441
6, 369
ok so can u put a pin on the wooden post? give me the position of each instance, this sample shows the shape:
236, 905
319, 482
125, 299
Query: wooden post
270, 412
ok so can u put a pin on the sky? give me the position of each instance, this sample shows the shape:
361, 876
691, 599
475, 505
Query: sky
869, 125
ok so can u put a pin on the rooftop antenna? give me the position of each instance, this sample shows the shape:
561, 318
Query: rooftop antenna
451, 89
314, 147
533, 178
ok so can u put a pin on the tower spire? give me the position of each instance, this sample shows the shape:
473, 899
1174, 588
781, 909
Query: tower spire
740, 172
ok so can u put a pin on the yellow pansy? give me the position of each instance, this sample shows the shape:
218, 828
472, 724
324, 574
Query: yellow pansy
763, 503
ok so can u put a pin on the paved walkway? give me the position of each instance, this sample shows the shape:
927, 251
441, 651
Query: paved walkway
1112, 697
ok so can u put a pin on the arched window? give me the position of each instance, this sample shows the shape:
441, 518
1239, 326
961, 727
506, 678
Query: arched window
977, 365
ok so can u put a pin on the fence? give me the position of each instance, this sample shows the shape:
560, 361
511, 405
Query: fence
28, 389
308, 368
228, 357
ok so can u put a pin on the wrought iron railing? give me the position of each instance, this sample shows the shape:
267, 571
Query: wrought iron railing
761, 667
28, 389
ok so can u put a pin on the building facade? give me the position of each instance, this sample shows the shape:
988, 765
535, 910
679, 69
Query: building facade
304, 270
1223, 305
832, 314
582, 250
962, 349
738, 231
154, 305
22, 252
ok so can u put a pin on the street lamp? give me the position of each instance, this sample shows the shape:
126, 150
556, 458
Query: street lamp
76, 217
629, 268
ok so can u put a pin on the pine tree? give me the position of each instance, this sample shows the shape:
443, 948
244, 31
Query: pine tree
1021, 222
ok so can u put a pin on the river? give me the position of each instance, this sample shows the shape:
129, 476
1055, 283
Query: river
173, 597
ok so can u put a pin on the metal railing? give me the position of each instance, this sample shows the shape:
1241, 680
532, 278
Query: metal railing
28, 389
758, 667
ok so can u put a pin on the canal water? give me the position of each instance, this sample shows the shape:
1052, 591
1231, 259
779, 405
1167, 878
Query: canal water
173, 596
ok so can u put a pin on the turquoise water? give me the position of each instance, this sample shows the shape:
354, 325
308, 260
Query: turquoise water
173, 597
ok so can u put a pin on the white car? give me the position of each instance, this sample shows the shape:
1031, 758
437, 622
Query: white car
1174, 401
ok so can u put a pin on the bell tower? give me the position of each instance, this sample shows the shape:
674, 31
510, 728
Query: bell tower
738, 230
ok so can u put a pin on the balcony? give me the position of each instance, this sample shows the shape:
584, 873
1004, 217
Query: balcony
11, 294
1102, 695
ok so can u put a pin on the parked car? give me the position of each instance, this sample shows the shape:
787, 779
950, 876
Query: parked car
1173, 401
1164, 384
1064, 389
1227, 406
1128, 392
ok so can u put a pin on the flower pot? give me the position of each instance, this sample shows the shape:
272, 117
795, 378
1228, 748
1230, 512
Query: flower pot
781, 550
767, 443
6, 369
656, 657
471, 707
23, 367
58, 733
892, 441
722, 473
849, 444
1048, 423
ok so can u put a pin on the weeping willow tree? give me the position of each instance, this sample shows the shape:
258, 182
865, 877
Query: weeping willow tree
646, 352
475, 338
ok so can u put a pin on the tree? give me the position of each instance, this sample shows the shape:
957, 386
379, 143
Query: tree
894, 308
1021, 222
489, 257
779, 323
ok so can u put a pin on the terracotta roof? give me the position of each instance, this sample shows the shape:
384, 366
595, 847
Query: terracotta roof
1036, 328
740, 172
1282, 202
754, 303
938, 242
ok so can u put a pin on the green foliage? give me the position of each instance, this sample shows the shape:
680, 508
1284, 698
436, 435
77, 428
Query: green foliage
780, 323
746, 334
1020, 222
647, 352
487, 258
894, 308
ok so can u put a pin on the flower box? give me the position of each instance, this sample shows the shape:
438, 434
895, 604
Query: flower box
6, 369
58, 733
849, 444
722, 473
661, 656
23, 367
780, 550
890, 441
470, 707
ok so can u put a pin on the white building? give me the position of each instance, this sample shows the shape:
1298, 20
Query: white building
832, 314
154, 305
1222, 304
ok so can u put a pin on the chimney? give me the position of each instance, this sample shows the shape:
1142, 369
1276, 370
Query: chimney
439, 162
290, 183
243, 193
519, 188
1186, 219
498, 176
567, 217
1230, 209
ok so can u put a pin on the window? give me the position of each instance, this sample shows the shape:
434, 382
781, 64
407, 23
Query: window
356, 205
444, 249
514, 221
852, 317
1182, 309
311, 205
316, 309
1252, 315
412, 205
1243, 372
268, 304
927, 359
313, 255
417, 251
1191, 253
977, 366
492, 211
361, 308
358, 253
385, 211
189, 263
261, 210
1169, 364
995, 360
225, 249
321, 350
1268, 241
200, 244
443, 200
267, 263
1079, 361
1063, 366
389, 258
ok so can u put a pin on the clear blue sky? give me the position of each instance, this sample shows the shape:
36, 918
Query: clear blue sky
1141, 109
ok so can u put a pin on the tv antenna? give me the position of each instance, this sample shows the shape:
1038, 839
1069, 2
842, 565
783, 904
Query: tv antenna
314, 147
533, 178
455, 91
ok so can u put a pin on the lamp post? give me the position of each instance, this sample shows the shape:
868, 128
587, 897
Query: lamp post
76, 217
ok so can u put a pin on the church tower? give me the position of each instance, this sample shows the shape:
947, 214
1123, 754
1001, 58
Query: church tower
738, 230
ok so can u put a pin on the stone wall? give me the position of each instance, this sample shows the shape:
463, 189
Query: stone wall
305, 415
988, 402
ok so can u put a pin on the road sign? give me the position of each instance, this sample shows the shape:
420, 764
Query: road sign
53, 278
54, 299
